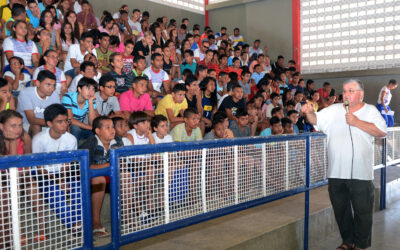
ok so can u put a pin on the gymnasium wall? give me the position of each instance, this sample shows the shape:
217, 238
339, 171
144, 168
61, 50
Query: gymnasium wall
271, 21
267, 20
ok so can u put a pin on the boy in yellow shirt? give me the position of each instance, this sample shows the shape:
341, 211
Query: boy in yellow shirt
172, 105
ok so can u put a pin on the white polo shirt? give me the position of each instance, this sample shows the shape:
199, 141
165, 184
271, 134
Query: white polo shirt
332, 121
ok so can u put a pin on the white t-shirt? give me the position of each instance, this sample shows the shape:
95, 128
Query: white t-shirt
77, 7
74, 52
198, 54
138, 139
21, 83
73, 87
135, 26
44, 143
388, 96
331, 121
270, 107
60, 76
166, 138
156, 78
22, 49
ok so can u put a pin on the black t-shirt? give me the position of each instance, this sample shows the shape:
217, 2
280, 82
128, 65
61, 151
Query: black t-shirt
167, 66
140, 47
192, 103
228, 103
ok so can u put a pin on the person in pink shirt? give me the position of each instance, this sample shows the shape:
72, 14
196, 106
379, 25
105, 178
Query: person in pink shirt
136, 99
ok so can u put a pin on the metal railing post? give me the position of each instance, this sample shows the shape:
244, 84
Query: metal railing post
307, 193
382, 196
115, 200
16, 228
86, 202
236, 173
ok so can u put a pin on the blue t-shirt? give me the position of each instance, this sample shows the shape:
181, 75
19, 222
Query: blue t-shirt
296, 129
70, 101
266, 132
35, 21
207, 106
192, 67
257, 77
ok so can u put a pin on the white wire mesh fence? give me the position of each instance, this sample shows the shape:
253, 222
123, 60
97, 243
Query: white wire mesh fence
41, 209
159, 188
393, 146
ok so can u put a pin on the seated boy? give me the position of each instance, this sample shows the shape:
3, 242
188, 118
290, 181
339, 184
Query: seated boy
189, 63
99, 146
81, 104
159, 82
32, 101
143, 168
231, 104
240, 126
276, 112
172, 105
287, 126
106, 102
159, 124
294, 116
87, 69
52, 179
136, 99
245, 83
274, 103
189, 130
276, 126
122, 80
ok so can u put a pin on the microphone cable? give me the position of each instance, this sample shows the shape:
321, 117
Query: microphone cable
346, 104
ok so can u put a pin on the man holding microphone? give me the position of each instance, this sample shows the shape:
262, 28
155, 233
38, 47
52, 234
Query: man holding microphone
350, 129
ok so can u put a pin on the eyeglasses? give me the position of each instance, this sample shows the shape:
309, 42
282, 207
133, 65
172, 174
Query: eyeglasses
350, 91
111, 87
205, 47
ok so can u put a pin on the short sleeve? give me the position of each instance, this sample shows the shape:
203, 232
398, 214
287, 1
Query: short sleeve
166, 77
196, 53
198, 134
9, 74
377, 119
24, 101
147, 73
36, 73
8, 45
34, 49
324, 118
36, 145
66, 101
63, 79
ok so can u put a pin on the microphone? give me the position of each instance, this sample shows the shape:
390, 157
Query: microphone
346, 105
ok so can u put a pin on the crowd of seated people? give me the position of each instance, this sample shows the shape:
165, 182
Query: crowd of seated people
77, 81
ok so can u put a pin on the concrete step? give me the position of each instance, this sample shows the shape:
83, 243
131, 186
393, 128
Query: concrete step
276, 225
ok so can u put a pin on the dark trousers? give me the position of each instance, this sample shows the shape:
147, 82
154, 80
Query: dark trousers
353, 203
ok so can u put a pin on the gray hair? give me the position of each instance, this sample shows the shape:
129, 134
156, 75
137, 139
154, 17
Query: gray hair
353, 80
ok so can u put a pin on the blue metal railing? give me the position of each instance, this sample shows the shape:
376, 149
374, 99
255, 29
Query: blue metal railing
117, 240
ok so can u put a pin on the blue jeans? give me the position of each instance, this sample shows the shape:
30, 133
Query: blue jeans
388, 118
68, 210
80, 133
